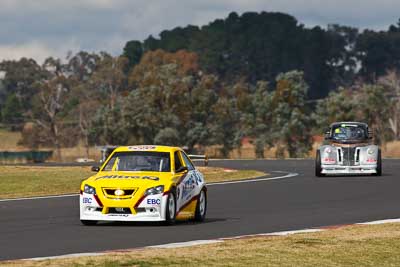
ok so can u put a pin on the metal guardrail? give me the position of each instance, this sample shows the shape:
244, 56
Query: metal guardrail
29, 156
204, 157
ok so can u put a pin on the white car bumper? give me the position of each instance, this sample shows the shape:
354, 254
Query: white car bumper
340, 169
151, 209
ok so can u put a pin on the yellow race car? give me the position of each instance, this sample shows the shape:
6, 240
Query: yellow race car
144, 183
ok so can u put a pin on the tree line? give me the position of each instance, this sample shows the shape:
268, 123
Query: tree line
259, 75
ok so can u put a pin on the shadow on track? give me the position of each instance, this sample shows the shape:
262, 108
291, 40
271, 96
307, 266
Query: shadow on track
156, 224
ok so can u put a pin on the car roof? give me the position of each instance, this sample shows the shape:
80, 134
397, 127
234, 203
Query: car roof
349, 122
153, 148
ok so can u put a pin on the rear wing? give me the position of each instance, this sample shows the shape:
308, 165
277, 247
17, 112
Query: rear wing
199, 158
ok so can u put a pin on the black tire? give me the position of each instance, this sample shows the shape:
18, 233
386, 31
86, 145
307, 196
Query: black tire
88, 222
169, 216
379, 167
318, 168
201, 207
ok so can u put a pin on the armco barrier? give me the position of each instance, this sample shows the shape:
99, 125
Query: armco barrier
24, 156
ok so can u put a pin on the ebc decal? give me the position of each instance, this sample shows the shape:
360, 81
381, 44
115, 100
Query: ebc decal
87, 200
152, 201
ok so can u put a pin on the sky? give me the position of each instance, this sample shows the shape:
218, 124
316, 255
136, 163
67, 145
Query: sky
41, 28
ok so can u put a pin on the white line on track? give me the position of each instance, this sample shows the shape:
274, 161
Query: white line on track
210, 241
288, 175
187, 244
34, 198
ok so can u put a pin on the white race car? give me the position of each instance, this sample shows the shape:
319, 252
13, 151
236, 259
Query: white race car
349, 151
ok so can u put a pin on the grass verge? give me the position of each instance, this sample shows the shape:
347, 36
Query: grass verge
373, 245
24, 181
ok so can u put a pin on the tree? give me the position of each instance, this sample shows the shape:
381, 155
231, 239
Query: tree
18, 82
391, 83
133, 51
109, 127
258, 46
167, 136
50, 102
338, 106
110, 79
12, 112
85, 99
375, 109
291, 118
258, 122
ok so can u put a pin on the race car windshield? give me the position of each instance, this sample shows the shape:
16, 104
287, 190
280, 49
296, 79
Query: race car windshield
139, 161
349, 132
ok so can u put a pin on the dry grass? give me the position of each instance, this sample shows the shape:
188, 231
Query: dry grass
24, 181
9, 140
391, 150
374, 245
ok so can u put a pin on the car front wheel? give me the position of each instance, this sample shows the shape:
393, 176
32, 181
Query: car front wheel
379, 167
318, 168
170, 210
201, 207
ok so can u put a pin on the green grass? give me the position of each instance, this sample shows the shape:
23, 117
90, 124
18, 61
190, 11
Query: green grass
24, 181
353, 246
18, 181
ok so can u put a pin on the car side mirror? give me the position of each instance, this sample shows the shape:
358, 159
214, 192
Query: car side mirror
95, 168
182, 169
327, 135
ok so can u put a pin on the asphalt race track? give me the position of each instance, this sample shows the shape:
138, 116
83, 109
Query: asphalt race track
50, 227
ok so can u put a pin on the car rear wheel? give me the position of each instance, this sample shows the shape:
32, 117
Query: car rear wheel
318, 168
170, 210
379, 164
201, 207
88, 222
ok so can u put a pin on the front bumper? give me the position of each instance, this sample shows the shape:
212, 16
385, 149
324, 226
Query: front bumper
340, 169
150, 209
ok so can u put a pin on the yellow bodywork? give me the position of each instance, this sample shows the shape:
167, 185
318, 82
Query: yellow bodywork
137, 182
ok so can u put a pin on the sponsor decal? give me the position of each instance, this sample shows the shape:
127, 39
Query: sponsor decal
188, 186
87, 200
141, 148
329, 160
152, 201
153, 178
118, 215
199, 180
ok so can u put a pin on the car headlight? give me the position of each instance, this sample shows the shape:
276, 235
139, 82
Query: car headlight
370, 151
154, 190
89, 189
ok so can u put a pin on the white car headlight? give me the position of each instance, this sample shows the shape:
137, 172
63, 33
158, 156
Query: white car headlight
89, 189
154, 190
